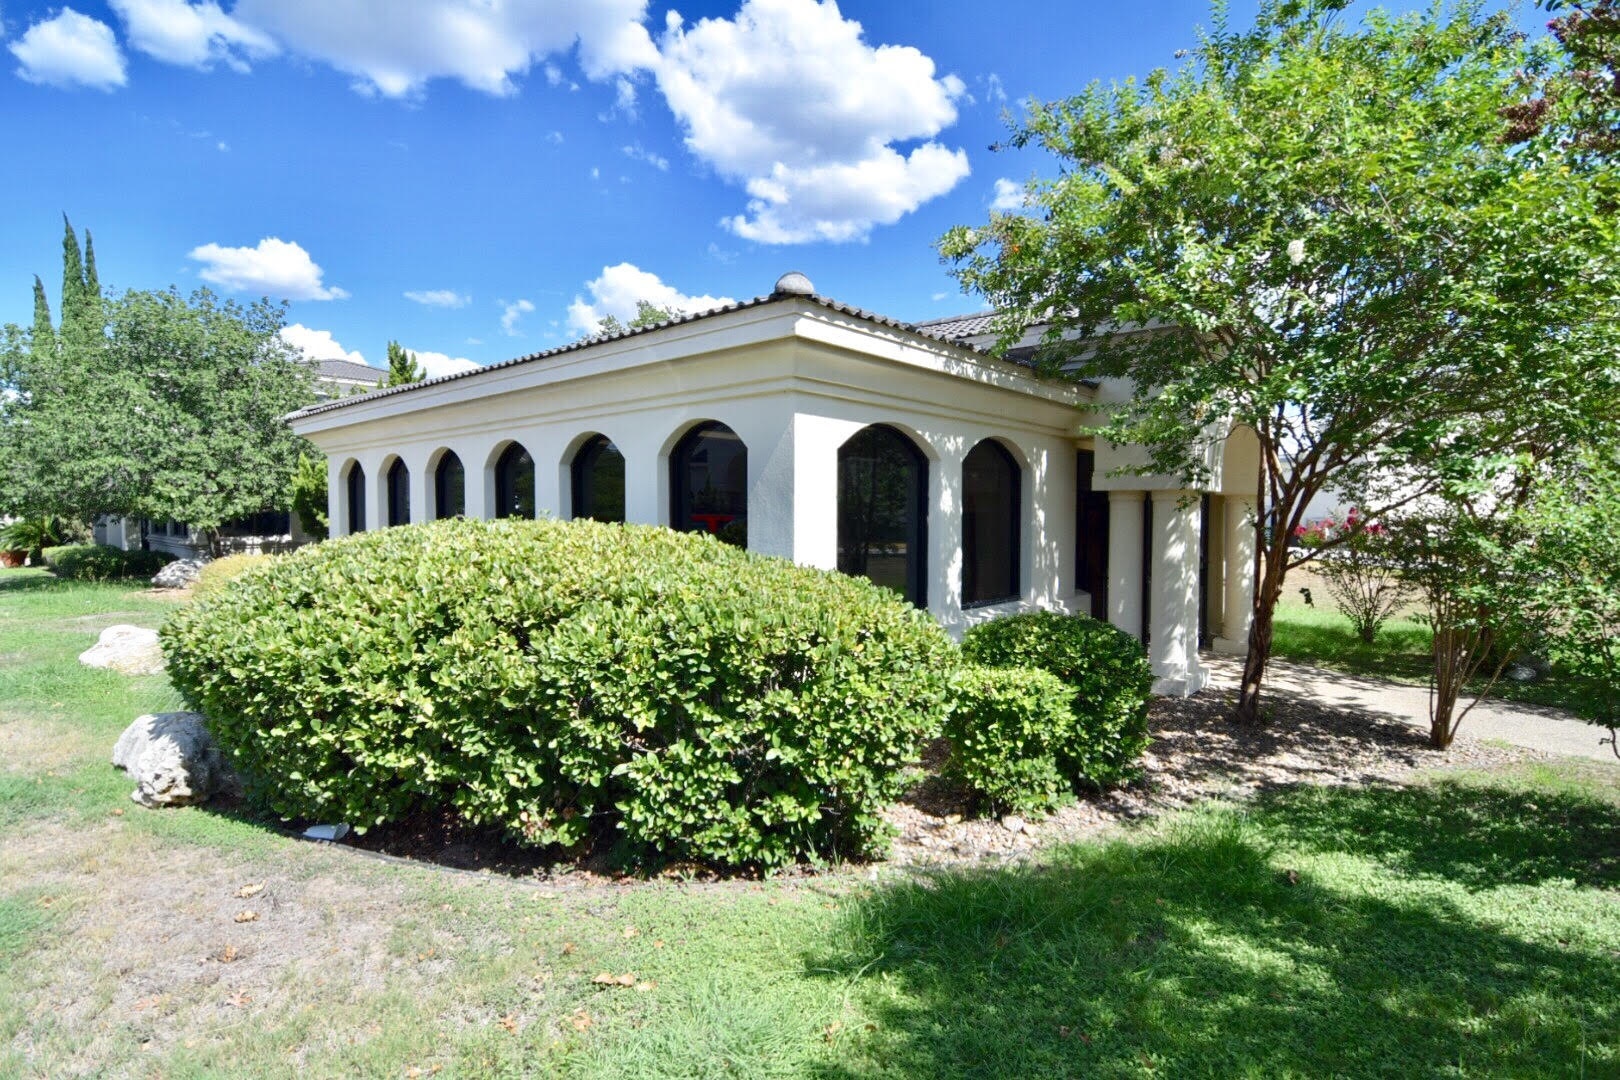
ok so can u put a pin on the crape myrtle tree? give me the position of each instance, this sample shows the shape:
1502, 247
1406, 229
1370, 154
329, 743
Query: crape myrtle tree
1331, 243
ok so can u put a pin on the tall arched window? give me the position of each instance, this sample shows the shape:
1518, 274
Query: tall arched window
514, 483
598, 480
449, 487
709, 484
355, 482
399, 494
991, 506
882, 511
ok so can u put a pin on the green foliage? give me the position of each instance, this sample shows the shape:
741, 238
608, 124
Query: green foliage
569, 682
1005, 726
309, 494
1574, 521
1336, 249
34, 535
1108, 677
172, 412
102, 562
647, 314
402, 366
220, 572
44, 335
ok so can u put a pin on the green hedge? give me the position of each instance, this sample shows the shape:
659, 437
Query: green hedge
1107, 673
102, 562
573, 682
1004, 727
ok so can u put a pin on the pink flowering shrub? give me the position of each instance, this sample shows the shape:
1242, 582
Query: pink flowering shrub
1354, 563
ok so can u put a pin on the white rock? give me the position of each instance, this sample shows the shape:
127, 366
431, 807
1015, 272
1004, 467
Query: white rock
173, 759
1013, 823
131, 650
179, 574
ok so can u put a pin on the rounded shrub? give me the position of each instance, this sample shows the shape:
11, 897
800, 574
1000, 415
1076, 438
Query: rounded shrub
103, 562
1108, 676
570, 683
1004, 727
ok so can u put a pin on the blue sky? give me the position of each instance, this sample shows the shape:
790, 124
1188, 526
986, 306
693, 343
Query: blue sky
483, 178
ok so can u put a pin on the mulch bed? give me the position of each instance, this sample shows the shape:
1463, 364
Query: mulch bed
1196, 754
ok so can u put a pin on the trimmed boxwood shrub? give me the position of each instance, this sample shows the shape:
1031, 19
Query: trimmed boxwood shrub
1004, 727
1105, 669
102, 562
569, 682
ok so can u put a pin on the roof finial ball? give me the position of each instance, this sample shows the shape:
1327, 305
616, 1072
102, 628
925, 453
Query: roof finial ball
793, 283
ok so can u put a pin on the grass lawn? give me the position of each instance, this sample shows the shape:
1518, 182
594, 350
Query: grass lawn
1469, 926
1321, 637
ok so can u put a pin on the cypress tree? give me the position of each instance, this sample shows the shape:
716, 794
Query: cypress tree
44, 335
92, 283
72, 274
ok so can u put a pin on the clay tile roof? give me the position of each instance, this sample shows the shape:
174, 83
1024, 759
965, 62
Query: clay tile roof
960, 326
924, 330
349, 371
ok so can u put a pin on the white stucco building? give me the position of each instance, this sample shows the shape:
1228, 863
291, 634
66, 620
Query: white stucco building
817, 432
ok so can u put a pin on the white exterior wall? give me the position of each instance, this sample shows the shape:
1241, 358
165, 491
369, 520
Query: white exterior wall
794, 380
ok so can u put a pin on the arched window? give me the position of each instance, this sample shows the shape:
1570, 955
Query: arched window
356, 484
598, 480
882, 511
709, 484
991, 506
449, 487
399, 494
514, 483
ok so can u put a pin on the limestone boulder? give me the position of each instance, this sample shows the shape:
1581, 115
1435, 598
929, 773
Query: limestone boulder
180, 574
130, 650
172, 759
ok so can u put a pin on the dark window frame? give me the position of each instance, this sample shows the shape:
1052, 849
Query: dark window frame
397, 487
440, 470
582, 470
682, 514
354, 482
916, 528
1014, 538
506, 493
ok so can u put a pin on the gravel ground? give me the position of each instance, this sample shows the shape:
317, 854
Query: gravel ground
1195, 755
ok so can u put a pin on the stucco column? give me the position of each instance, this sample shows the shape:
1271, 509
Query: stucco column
337, 520
1125, 561
376, 497
421, 491
478, 482
945, 533
1173, 638
1238, 568
772, 480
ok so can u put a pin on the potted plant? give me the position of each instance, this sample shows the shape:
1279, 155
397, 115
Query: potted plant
28, 537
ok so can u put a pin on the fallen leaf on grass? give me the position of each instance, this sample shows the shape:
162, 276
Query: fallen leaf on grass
509, 1023
646, 985
829, 1032
659, 944
1291, 876
249, 890
630, 932
247, 916
238, 1000
569, 948
581, 1020
148, 1003
118, 813
229, 956
607, 978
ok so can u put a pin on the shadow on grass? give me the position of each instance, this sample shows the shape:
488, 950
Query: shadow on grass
1199, 952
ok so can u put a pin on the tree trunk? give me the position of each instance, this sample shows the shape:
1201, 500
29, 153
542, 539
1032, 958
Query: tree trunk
1272, 565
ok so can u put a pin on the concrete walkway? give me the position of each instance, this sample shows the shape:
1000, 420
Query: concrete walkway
1537, 727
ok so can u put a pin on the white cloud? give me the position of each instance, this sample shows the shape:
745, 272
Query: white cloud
70, 49
318, 344
396, 48
618, 289
787, 99
639, 153
512, 313
194, 35
554, 137
1009, 195
274, 268
438, 363
445, 298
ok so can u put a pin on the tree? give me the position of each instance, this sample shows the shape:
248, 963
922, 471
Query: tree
1584, 91
44, 336
82, 316
1574, 521
1317, 233
309, 494
174, 413
647, 314
402, 366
